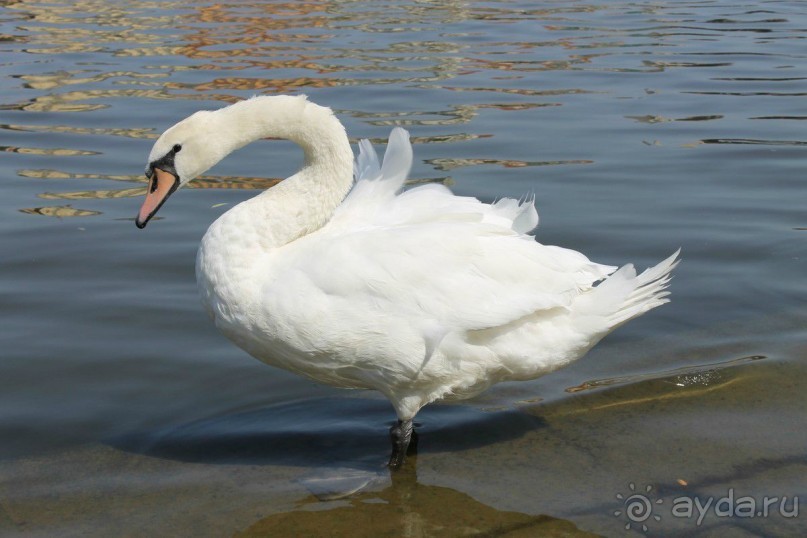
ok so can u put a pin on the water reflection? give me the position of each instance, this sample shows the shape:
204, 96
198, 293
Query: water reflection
516, 91
455, 115
71, 101
450, 164
59, 152
202, 182
408, 508
750, 141
94, 195
58, 79
661, 119
143, 133
60, 211
287, 48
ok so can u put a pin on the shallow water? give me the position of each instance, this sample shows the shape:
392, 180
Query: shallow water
640, 127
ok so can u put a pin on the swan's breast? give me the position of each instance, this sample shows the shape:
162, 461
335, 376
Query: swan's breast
224, 273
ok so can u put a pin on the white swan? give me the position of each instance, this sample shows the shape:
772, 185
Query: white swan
420, 294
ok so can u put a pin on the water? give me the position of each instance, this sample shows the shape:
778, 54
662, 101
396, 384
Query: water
640, 127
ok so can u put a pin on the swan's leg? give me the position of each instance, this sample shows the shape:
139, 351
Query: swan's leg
412, 449
404, 441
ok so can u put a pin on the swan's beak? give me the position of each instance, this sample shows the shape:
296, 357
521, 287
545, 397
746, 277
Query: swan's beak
162, 184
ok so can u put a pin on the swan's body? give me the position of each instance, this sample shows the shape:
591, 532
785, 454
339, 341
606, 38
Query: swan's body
421, 295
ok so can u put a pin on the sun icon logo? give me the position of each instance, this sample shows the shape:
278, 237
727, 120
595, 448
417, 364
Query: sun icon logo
638, 507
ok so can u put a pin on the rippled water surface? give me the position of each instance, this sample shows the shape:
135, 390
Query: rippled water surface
640, 127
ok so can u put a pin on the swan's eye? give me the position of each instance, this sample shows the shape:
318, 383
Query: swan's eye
177, 147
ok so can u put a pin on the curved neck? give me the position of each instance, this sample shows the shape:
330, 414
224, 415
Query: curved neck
234, 247
313, 127
304, 202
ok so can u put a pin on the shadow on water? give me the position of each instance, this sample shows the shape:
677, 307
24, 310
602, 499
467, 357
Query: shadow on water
351, 493
323, 432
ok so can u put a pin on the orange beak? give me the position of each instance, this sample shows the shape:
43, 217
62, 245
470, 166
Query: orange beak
162, 184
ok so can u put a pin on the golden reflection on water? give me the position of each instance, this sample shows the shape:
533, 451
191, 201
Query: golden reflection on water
516, 91
70, 101
60, 211
450, 164
293, 47
104, 131
257, 36
277, 39
203, 182
57, 174
65, 78
274, 38
95, 195
61, 152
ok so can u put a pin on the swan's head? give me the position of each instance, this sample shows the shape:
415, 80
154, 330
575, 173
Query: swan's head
182, 153
194, 145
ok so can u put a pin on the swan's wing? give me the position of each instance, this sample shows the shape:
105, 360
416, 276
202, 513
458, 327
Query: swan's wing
459, 275
373, 202
376, 184
397, 160
426, 254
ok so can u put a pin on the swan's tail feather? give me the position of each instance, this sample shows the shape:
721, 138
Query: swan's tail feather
521, 214
648, 293
624, 295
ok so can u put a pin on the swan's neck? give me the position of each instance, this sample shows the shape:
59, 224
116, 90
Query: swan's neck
301, 204
304, 202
